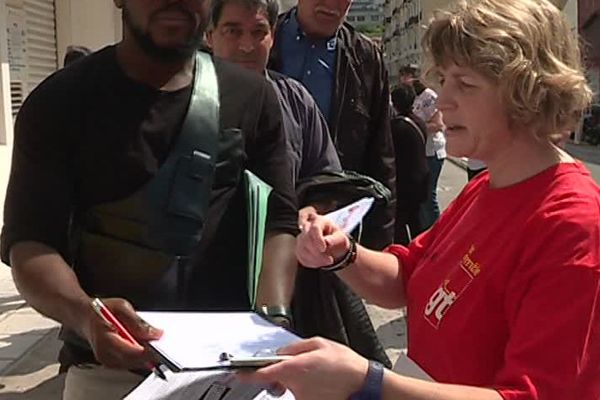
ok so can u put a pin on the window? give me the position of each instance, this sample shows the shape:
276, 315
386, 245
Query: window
360, 17
350, 18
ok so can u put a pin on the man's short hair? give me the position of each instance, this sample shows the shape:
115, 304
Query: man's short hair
409, 69
525, 47
271, 7
403, 98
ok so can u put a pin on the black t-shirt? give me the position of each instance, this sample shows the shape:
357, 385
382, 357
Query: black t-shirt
90, 135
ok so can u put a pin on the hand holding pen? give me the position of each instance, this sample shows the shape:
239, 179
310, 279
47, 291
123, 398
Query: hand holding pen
116, 333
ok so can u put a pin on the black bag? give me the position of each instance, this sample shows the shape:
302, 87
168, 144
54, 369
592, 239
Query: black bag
337, 189
323, 305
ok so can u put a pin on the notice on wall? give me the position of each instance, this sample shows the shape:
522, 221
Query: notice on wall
17, 40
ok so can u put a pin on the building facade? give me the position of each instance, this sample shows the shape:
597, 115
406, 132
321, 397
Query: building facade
589, 29
34, 37
405, 22
364, 13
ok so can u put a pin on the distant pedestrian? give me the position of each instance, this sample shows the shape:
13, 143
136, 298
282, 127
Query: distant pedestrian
425, 107
75, 53
412, 172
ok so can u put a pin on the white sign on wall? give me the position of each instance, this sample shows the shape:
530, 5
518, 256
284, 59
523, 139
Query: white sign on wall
17, 38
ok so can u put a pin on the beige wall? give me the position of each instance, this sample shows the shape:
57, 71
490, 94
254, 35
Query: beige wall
570, 11
90, 23
5, 105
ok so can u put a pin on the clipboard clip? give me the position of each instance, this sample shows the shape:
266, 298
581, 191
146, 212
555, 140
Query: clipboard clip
261, 358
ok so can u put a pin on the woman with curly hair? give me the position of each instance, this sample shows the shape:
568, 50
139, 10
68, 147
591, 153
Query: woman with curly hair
503, 292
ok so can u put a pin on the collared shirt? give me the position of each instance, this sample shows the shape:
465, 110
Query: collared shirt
311, 62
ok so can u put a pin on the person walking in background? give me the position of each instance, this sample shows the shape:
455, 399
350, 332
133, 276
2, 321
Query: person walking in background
412, 172
425, 107
345, 73
75, 53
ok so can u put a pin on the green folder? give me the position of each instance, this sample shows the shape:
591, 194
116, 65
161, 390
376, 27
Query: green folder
257, 199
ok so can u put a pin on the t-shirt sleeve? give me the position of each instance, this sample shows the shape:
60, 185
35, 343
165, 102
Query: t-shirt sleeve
270, 162
558, 288
39, 193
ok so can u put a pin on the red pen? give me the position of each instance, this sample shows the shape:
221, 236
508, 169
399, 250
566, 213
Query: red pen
111, 320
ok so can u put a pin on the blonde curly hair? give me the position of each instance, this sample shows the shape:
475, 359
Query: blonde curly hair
526, 48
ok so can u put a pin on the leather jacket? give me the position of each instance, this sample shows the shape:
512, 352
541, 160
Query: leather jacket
360, 120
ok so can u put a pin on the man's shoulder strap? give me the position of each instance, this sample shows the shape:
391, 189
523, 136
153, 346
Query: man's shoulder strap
186, 178
201, 125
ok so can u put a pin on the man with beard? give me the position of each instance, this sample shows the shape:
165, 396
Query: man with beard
345, 73
100, 202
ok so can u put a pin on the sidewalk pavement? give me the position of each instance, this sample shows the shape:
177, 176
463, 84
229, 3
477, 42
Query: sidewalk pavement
28, 348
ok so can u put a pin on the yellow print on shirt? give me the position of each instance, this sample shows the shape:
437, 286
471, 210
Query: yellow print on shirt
459, 278
468, 264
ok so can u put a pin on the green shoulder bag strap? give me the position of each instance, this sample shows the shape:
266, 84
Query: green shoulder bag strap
182, 187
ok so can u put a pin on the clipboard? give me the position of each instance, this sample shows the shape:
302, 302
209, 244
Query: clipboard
255, 361
197, 341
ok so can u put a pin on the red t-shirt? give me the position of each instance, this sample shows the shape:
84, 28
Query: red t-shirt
504, 290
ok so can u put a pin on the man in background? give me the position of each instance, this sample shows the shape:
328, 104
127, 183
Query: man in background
242, 32
345, 73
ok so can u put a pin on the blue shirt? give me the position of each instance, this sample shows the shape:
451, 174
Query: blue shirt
311, 62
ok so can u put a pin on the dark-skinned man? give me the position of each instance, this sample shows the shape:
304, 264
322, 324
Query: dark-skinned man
115, 192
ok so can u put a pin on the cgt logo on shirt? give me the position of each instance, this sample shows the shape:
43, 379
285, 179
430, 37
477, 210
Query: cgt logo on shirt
459, 278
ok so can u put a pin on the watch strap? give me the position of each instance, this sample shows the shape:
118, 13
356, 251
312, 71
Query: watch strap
373, 387
346, 260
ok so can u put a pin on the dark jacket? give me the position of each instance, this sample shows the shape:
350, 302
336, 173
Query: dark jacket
360, 120
412, 175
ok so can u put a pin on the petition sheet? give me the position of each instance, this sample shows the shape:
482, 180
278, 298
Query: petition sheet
195, 340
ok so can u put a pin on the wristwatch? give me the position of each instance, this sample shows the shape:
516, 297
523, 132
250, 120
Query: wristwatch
373, 386
346, 260
275, 313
